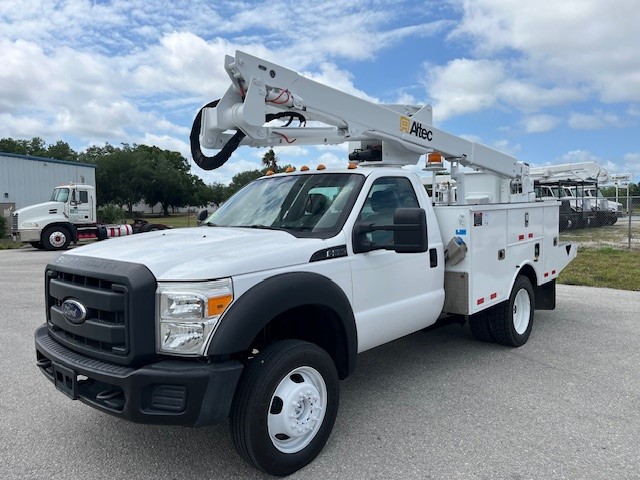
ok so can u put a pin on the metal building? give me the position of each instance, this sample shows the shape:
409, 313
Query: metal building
25, 180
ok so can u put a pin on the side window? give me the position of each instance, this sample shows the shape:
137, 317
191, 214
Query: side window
84, 196
386, 194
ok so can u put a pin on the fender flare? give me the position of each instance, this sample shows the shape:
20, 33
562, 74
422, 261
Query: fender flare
263, 302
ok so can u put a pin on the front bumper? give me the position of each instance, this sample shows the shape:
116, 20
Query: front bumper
176, 392
26, 236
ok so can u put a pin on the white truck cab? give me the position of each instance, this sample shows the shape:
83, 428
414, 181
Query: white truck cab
53, 224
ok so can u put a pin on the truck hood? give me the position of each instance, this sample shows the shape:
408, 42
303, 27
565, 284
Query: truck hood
203, 253
40, 209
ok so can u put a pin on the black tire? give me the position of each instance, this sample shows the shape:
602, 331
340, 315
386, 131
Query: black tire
302, 373
56, 238
511, 321
480, 326
37, 245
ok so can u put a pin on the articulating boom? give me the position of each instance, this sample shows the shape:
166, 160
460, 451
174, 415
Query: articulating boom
582, 172
389, 134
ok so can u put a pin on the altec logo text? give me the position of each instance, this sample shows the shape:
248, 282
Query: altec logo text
415, 128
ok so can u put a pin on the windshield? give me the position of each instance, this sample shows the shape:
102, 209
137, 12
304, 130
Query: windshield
315, 205
60, 195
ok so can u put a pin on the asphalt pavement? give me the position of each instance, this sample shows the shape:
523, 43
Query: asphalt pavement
435, 404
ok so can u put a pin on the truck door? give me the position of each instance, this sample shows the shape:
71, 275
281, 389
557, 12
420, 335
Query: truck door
80, 206
394, 294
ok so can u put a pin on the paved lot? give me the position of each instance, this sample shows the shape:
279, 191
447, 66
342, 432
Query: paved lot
432, 405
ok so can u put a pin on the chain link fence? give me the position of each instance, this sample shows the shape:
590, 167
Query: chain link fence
601, 222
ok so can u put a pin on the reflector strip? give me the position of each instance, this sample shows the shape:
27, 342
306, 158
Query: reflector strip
553, 272
493, 295
531, 235
546, 274
480, 301
521, 237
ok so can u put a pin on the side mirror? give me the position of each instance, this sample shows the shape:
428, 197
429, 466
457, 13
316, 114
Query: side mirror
409, 233
202, 216
410, 230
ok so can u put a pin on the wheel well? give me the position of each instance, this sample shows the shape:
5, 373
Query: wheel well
530, 273
545, 294
312, 323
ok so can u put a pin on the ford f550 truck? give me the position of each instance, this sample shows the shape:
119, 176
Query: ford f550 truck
255, 316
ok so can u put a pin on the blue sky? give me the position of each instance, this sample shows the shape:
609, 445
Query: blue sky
547, 81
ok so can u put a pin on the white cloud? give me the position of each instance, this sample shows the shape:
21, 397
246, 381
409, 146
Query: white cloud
540, 123
577, 156
598, 120
573, 42
463, 86
529, 97
632, 164
506, 147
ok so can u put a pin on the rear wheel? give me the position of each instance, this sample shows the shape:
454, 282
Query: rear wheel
285, 407
56, 238
512, 320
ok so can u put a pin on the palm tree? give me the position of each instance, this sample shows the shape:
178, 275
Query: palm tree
270, 161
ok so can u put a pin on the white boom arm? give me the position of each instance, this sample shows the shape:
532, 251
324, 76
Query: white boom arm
261, 89
583, 171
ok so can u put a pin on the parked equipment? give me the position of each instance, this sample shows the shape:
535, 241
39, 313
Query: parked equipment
257, 314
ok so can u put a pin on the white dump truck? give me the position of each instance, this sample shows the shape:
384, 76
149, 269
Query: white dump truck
255, 316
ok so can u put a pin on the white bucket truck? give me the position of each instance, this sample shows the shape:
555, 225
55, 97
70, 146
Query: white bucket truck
256, 315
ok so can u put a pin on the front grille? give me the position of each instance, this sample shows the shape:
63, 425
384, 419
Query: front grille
14, 222
105, 328
118, 299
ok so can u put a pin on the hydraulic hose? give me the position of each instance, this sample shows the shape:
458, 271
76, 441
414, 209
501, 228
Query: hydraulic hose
219, 159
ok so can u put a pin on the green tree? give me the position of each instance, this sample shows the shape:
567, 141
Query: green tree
165, 187
37, 147
270, 161
219, 193
241, 179
201, 193
121, 177
62, 151
9, 145
94, 152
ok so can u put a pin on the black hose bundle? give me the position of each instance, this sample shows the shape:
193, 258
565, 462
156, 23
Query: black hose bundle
203, 161
219, 159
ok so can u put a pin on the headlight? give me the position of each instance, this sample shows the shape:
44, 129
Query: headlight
30, 225
187, 314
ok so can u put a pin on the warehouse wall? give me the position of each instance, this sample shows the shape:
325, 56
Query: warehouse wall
25, 180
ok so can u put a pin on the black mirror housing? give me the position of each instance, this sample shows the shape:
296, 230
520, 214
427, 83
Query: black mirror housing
409, 233
410, 230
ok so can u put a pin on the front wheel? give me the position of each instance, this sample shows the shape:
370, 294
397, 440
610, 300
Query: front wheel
56, 238
285, 407
512, 320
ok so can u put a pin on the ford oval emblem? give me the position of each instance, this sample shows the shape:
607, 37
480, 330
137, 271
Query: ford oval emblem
74, 311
